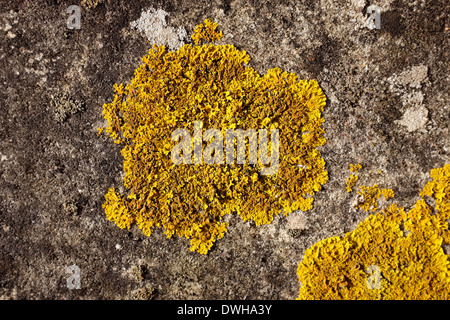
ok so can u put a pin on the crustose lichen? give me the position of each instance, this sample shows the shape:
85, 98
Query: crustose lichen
64, 106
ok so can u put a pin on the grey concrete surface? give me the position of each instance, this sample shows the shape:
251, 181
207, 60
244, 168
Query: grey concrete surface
387, 108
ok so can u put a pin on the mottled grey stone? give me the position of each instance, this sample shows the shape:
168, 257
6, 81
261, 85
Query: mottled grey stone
47, 168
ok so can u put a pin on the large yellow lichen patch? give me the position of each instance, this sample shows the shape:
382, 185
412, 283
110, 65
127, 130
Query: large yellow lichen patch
211, 84
402, 249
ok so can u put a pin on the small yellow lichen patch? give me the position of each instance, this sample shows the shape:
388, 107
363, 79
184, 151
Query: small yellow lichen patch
387, 193
207, 32
439, 188
212, 85
350, 182
116, 210
378, 260
355, 167
99, 131
371, 195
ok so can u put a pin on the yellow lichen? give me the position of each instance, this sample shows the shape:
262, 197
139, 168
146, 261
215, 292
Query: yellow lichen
213, 85
207, 32
371, 195
350, 182
387, 193
355, 167
117, 210
401, 251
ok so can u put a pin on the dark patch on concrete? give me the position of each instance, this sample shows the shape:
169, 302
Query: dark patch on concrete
392, 22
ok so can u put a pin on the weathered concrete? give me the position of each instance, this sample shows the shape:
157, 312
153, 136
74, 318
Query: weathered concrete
388, 109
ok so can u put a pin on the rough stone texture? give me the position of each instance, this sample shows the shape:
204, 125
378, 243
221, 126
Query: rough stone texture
388, 109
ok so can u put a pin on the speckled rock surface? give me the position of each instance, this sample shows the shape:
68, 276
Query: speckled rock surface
388, 109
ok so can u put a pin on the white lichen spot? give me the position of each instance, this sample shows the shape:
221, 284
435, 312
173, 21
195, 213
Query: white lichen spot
7, 27
153, 23
408, 85
296, 220
414, 118
412, 98
413, 77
